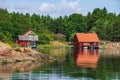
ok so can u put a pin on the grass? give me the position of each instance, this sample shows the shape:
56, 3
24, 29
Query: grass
45, 48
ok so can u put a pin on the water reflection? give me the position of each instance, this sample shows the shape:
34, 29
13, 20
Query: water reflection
86, 58
115, 52
59, 54
91, 65
7, 70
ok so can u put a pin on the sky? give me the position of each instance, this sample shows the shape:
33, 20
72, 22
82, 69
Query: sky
56, 8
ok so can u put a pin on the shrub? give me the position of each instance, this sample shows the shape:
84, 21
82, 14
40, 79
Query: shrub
45, 38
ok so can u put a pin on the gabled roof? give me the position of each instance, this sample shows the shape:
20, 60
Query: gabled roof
87, 37
28, 36
61, 35
28, 33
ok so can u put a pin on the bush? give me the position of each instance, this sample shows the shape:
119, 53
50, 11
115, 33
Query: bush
45, 38
58, 38
17, 49
72, 37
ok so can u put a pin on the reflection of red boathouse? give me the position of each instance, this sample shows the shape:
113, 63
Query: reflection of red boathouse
89, 40
86, 58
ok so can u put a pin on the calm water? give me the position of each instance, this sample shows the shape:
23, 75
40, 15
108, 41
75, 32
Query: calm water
69, 65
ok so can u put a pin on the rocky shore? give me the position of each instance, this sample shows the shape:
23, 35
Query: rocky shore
109, 45
9, 55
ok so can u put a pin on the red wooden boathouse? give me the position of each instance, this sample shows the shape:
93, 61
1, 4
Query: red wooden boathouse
89, 40
28, 39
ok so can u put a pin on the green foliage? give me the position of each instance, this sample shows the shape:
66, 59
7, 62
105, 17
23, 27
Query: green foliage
72, 37
1, 36
58, 38
115, 30
105, 24
45, 38
17, 49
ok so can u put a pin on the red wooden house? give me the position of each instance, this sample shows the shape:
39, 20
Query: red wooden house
89, 40
28, 39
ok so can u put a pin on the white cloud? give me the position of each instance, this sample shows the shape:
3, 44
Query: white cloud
46, 6
62, 8
72, 7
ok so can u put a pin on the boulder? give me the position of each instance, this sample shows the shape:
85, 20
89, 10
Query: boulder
8, 54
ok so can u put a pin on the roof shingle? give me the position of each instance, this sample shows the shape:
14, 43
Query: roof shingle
87, 37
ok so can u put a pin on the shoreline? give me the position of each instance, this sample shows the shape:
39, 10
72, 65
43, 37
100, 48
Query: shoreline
109, 45
9, 55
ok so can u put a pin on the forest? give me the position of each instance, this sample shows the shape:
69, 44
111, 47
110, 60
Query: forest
105, 24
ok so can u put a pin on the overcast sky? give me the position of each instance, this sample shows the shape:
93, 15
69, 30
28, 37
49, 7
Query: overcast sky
57, 8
